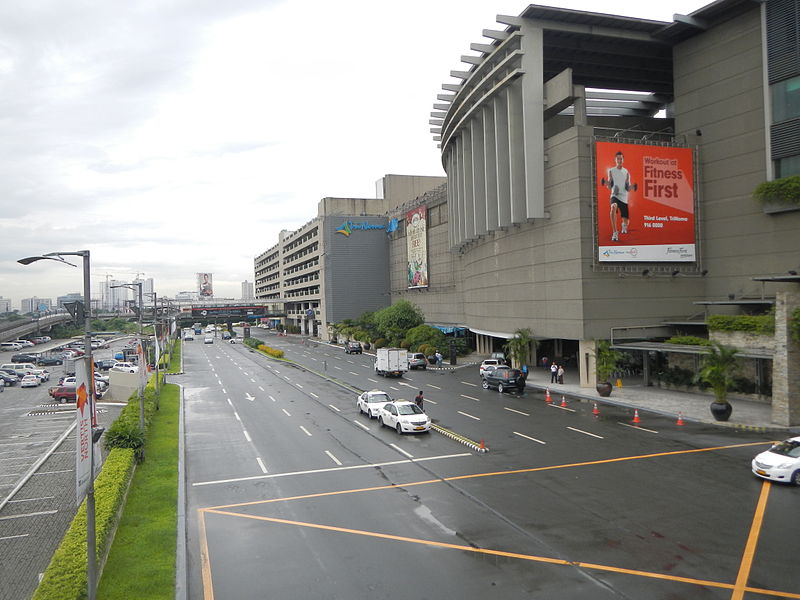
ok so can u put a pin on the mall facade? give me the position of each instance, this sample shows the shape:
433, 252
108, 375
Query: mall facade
600, 186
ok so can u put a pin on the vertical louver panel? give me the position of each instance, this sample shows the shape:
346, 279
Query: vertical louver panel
783, 39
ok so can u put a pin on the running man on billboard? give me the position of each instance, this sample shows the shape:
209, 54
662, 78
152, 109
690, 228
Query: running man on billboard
619, 182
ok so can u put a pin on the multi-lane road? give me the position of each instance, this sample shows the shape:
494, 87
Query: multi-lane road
292, 493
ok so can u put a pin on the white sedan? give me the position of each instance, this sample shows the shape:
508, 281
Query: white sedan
780, 463
370, 402
29, 381
404, 416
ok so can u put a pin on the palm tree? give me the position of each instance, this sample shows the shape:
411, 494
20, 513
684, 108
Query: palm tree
717, 370
518, 348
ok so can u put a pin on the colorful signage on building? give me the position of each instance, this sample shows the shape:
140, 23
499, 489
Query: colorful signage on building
645, 203
348, 227
417, 246
205, 285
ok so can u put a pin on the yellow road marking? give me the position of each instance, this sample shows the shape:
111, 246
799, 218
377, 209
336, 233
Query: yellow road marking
752, 542
205, 562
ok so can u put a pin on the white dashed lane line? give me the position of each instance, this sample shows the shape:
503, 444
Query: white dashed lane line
519, 412
585, 432
286, 412
470, 398
261, 464
333, 458
527, 437
401, 451
470, 384
364, 427
306, 431
468, 415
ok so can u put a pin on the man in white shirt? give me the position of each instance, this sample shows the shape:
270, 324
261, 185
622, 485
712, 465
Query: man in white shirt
619, 182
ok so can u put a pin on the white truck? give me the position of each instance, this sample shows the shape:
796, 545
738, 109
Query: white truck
391, 362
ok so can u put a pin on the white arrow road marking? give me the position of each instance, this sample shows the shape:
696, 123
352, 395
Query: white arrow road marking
249, 397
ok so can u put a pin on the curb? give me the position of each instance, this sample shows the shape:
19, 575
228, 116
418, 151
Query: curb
459, 438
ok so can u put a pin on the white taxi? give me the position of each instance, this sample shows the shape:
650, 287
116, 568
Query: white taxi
370, 402
780, 463
404, 416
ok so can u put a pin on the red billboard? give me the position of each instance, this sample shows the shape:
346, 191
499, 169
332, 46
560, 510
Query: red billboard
645, 203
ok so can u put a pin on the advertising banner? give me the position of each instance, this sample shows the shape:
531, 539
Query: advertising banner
645, 203
83, 429
205, 285
417, 247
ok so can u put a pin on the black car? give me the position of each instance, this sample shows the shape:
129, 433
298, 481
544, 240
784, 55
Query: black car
105, 365
353, 348
48, 361
8, 379
504, 378
24, 358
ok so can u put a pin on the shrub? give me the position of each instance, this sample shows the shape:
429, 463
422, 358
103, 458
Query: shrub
270, 351
760, 324
794, 325
380, 343
688, 340
125, 433
785, 190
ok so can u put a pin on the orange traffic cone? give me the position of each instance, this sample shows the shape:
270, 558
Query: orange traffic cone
636, 416
482, 446
680, 420
563, 402
595, 410
547, 397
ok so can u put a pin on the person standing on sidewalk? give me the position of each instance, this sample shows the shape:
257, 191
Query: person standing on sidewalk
553, 373
560, 373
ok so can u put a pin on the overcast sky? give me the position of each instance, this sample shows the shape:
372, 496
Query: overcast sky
176, 137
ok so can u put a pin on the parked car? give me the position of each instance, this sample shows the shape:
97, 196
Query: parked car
371, 402
30, 381
24, 343
10, 346
99, 384
24, 358
63, 393
417, 360
404, 416
8, 378
353, 348
504, 378
780, 463
106, 364
49, 361
125, 367
489, 362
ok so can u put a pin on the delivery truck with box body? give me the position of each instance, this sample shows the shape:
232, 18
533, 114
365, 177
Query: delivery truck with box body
391, 362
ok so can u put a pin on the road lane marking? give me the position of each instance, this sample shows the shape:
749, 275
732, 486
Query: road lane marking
468, 383
247, 396
313, 394
334, 408
229, 402
436, 387
33, 514
261, 388
271, 398
401, 451
567, 408
223, 389
372, 380
527, 437
338, 367
351, 373
470, 397
306, 431
236, 414
519, 412
586, 433
333, 458
330, 469
12, 537
468, 415
252, 380
286, 412
427, 400
261, 464
391, 387
752, 542
635, 427
247, 435
298, 385
360, 424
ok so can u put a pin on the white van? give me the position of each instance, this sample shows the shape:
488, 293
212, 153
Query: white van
10, 346
22, 369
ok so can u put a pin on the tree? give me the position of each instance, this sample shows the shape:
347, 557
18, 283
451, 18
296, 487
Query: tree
425, 334
394, 321
518, 348
717, 370
605, 361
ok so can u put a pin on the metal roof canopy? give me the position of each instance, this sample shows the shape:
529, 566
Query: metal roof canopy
686, 349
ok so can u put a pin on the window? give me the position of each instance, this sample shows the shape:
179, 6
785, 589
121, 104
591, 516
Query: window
786, 100
785, 167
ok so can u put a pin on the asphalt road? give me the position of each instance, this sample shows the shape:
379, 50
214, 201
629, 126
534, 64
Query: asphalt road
292, 493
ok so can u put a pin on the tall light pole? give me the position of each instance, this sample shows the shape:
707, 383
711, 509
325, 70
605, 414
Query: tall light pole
155, 337
96, 432
130, 286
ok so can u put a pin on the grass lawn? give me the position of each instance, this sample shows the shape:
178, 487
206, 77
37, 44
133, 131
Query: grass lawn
141, 563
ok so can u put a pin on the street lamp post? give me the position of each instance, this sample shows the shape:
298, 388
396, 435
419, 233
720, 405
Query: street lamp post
157, 344
91, 552
130, 286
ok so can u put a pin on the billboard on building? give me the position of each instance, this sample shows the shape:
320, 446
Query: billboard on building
205, 285
645, 203
417, 246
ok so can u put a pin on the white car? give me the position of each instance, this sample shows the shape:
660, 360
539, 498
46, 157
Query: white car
24, 343
404, 416
208, 340
780, 463
125, 367
370, 402
29, 381
99, 384
489, 362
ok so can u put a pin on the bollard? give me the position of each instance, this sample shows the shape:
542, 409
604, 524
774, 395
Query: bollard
619, 383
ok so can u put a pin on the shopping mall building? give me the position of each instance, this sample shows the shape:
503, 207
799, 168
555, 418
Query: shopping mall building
600, 185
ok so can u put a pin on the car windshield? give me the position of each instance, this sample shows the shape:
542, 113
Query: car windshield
379, 398
409, 409
787, 448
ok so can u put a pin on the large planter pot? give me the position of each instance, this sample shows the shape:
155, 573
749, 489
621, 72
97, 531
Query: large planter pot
604, 388
721, 411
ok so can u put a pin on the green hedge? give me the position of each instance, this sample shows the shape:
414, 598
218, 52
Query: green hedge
779, 191
761, 324
794, 325
688, 340
66, 576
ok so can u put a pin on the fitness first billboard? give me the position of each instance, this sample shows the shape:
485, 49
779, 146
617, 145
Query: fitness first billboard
645, 203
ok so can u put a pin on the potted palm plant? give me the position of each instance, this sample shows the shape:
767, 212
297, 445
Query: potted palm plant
717, 370
605, 363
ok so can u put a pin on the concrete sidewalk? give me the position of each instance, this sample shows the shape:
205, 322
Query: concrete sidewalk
691, 407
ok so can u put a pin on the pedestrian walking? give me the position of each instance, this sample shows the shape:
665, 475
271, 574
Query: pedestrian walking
560, 373
419, 400
554, 373
438, 359
545, 361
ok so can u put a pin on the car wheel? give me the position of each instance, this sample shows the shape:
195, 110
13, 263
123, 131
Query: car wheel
399, 429
500, 387
380, 420
485, 384
795, 479
424, 368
